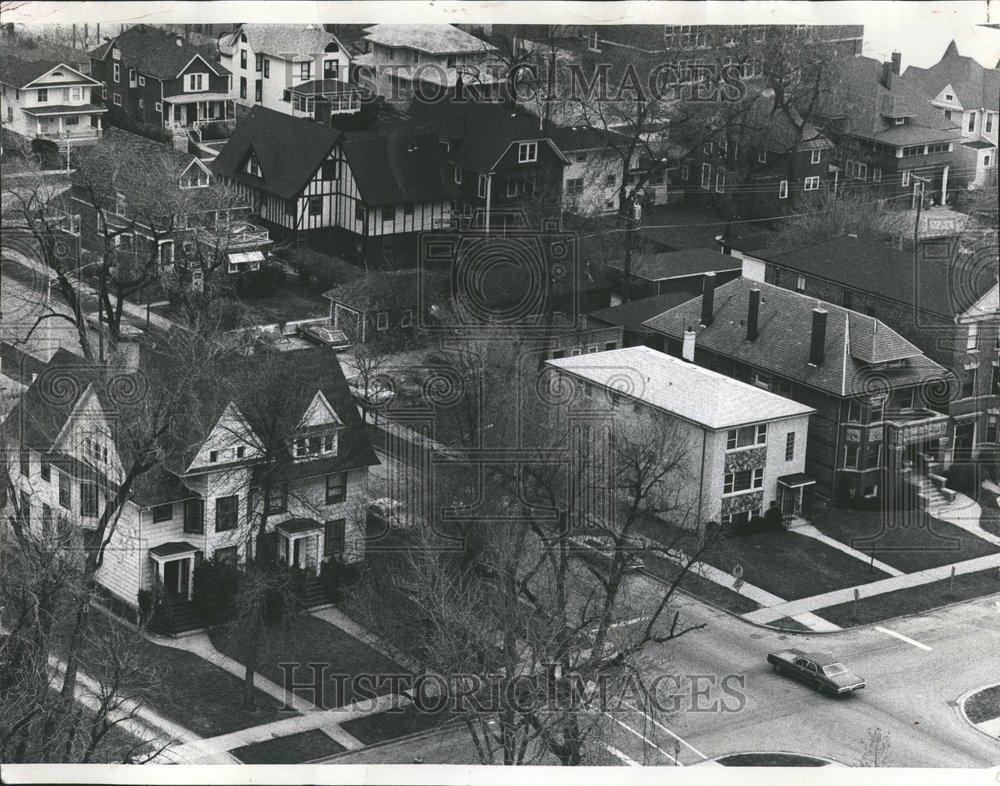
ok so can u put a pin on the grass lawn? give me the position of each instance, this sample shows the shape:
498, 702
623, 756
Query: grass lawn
912, 600
383, 726
290, 300
791, 565
789, 624
193, 692
984, 706
311, 640
700, 587
770, 760
909, 541
293, 749
990, 520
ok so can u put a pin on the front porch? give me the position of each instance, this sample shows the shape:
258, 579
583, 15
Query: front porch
187, 111
66, 124
174, 569
301, 543
791, 494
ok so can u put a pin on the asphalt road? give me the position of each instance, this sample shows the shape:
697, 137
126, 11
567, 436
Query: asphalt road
911, 696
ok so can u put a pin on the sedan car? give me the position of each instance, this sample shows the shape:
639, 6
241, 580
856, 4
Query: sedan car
817, 669
324, 335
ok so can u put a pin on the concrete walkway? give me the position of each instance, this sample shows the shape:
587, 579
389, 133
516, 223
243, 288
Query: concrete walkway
338, 619
810, 531
816, 602
965, 513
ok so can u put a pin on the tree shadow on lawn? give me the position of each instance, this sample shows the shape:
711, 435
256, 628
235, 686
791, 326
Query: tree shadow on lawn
352, 671
192, 692
910, 541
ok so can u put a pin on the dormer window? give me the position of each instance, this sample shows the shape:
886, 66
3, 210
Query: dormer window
318, 444
898, 121
527, 152
194, 177
252, 166
213, 456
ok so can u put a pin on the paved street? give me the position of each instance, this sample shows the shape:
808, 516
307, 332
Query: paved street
911, 694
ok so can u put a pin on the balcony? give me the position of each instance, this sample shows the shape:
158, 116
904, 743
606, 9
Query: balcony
913, 426
234, 236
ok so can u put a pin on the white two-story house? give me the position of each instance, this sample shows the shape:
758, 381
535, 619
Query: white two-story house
968, 94
45, 99
289, 68
742, 448
203, 498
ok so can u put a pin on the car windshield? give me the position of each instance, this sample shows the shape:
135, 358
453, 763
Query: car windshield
834, 669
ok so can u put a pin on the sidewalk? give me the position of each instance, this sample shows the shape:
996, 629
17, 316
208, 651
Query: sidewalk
966, 513
810, 531
133, 310
816, 602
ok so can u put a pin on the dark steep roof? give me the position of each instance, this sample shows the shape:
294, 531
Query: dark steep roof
946, 284
634, 313
288, 149
658, 266
17, 72
398, 167
156, 52
854, 342
975, 85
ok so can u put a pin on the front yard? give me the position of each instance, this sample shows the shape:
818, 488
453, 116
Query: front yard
293, 749
388, 725
308, 640
909, 541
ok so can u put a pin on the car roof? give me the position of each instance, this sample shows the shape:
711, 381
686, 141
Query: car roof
820, 658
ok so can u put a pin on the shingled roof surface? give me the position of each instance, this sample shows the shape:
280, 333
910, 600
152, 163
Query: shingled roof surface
858, 104
691, 392
632, 314
976, 87
17, 72
272, 135
284, 41
398, 167
434, 39
946, 285
854, 342
661, 266
156, 52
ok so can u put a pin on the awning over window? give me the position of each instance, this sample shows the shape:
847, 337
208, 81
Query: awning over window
241, 257
298, 526
167, 551
796, 481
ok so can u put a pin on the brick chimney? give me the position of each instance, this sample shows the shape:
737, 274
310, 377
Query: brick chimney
707, 299
753, 315
886, 75
687, 350
897, 60
818, 338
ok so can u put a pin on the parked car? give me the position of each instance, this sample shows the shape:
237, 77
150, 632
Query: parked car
819, 670
376, 393
324, 335
603, 547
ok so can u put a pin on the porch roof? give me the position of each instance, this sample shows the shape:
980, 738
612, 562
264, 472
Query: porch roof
174, 549
64, 109
297, 526
196, 98
796, 480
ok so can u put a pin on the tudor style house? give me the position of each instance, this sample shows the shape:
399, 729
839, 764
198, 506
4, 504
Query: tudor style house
295, 69
744, 448
427, 59
45, 99
203, 497
364, 194
939, 301
152, 202
889, 141
873, 391
967, 94
151, 76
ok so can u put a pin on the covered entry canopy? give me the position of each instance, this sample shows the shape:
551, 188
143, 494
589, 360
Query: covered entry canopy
298, 526
173, 550
796, 480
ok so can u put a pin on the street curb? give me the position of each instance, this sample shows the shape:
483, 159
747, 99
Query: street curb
416, 735
961, 708
830, 762
777, 629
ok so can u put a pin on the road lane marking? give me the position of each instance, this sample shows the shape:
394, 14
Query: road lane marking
642, 737
619, 755
664, 728
901, 637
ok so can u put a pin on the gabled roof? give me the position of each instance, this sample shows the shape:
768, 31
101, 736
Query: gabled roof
691, 392
399, 167
632, 314
975, 85
434, 39
20, 73
482, 133
854, 342
272, 136
859, 104
284, 41
652, 266
585, 137
944, 285
155, 52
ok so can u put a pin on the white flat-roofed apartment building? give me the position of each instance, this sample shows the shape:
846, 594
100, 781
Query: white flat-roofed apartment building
744, 447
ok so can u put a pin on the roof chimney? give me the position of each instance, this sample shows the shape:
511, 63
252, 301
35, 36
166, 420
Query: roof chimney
818, 338
687, 351
707, 299
886, 75
753, 315
897, 59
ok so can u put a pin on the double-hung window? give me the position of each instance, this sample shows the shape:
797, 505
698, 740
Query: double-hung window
527, 152
336, 488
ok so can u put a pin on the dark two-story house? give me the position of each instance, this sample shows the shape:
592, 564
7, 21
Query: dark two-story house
870, 387
929, 298
150, 76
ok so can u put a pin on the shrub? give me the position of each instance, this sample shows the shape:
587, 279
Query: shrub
319, 270
337, 576
216, 583
154, 613
256, 283
961, 477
